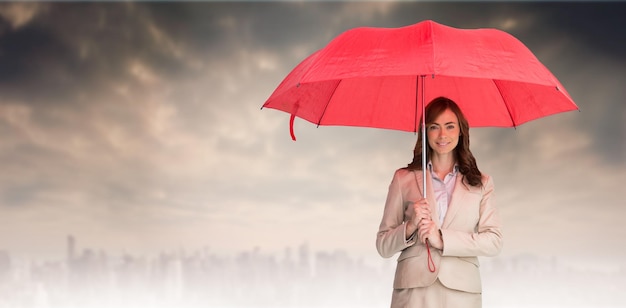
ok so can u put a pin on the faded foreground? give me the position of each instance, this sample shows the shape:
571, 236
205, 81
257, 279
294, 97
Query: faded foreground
298, 278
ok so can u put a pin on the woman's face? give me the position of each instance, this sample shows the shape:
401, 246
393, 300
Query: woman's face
443, 133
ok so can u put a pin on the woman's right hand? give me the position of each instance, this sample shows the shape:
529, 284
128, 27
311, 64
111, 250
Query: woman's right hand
421, 210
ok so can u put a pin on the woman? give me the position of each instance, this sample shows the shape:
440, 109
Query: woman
441, 236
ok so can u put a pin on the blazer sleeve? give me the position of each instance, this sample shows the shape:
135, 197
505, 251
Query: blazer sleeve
391, 236
486, 240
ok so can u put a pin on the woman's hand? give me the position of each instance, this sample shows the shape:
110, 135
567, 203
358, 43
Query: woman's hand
429, 231
420, 212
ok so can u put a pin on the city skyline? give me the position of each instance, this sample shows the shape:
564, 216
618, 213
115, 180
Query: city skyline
253, 278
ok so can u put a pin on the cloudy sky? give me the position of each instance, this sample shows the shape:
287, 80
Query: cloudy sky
137, 127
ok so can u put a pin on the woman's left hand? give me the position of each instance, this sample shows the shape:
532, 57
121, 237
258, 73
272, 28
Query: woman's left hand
429, 231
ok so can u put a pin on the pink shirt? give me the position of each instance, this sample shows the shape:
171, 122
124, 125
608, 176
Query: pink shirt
443, 189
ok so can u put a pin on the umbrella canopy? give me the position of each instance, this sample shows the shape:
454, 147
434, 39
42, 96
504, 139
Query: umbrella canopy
380, 77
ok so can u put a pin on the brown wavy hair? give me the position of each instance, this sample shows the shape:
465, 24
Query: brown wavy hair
462, 154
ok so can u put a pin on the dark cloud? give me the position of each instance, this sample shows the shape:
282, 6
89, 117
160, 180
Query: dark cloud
32, 58
599, 26
80, 47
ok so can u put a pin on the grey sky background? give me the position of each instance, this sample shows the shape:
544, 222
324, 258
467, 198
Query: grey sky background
137, 127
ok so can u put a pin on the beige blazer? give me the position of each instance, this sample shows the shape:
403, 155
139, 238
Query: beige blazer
470, 228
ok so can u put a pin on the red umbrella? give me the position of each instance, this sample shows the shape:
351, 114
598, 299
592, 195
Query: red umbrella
377, 77
382, 77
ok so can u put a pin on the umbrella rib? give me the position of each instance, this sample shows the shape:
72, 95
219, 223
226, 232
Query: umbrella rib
505, 104
328, 103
